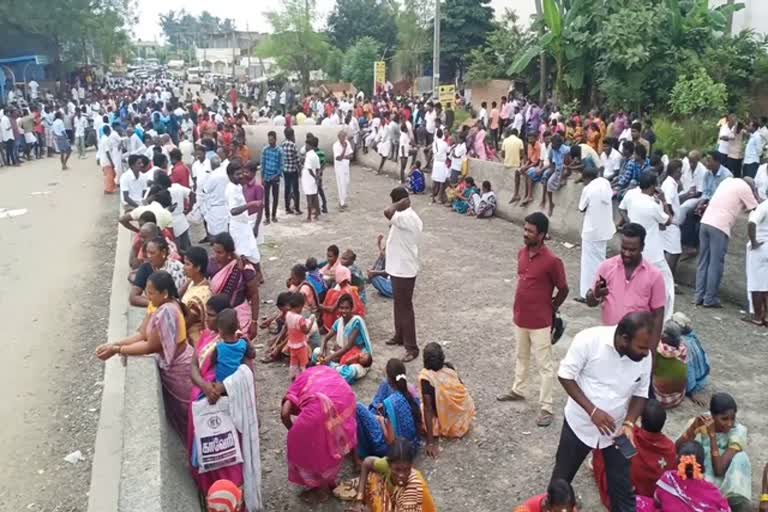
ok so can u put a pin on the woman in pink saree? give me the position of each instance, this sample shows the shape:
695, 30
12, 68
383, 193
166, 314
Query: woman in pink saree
166, 338
478, 144
203, 373
684, 489
323, 431
239, 279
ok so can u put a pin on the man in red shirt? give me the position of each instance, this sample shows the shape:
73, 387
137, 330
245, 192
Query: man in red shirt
539, 273
179, 171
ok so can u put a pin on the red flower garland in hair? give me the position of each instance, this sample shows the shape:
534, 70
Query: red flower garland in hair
689, 460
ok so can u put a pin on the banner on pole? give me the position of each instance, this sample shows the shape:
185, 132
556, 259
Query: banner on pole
447, 95
379, 76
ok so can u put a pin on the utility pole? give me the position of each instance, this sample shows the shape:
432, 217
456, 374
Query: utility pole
233, 54
436, 53
248, 31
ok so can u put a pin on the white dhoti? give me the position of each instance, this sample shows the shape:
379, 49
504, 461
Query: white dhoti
245, 242
670, 239
592, 255
216, 219
669, 287
252, 224
342, 184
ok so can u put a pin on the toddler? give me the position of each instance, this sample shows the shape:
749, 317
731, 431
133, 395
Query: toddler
232, 350
297, 334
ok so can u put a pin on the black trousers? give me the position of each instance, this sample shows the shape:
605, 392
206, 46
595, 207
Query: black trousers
571, 453
271, 189
750, 169
405, 318
11, 157
292, 190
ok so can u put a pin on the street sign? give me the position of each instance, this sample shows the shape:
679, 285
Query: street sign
447, 95
379, 75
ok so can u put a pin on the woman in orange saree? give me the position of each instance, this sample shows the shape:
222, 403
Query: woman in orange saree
343, 277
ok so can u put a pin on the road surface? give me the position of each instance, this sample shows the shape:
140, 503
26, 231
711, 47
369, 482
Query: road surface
56, 262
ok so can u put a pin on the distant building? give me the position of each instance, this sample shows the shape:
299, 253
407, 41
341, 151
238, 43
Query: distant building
754, 16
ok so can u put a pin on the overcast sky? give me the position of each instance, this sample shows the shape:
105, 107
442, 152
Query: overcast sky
249, 14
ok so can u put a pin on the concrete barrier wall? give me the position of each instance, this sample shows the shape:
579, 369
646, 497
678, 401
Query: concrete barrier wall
566, 220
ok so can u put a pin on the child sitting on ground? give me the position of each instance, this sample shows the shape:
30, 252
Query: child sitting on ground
315, 278
278, 318
328, 270
297, 334
416, 182
232, 350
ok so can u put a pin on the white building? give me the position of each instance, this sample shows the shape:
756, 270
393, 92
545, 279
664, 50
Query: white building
754, 16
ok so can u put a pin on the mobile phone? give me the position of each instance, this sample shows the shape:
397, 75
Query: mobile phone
624, 445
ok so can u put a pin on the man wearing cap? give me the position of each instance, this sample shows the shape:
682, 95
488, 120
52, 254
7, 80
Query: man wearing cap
134, 182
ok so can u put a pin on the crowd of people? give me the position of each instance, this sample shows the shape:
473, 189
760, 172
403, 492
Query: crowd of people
182, 168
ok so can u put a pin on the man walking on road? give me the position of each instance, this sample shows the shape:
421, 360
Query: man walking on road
271, 170
402, 265
291, 171
539, 273
342, 155
606, 374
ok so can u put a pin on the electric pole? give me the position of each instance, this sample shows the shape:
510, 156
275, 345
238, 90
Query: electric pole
436, 53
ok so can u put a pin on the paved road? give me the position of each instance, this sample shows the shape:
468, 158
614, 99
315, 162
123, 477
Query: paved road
56, 262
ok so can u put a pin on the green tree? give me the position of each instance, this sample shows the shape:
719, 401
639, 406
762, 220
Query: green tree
505, 42
352, 20
414, 40
184, 30
334, 60
698, 94
294, 43
358, 64
465, 25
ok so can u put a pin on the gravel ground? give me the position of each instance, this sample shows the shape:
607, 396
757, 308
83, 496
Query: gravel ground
463, 299
57, 265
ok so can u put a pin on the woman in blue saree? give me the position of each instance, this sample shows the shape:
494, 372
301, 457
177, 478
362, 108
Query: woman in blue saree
461, 203
395, 412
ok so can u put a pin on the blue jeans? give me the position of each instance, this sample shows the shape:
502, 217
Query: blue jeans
713, 244
383, 285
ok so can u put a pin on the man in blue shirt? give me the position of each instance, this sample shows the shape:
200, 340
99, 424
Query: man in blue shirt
717, 173
271, 171
753, 151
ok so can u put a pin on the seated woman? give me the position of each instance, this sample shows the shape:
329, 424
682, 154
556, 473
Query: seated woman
449, 410
698, 361
670, 373
238, 278
147, 231
377, 275
165, 336
461, 203
158, 258
319, 412
684, 489
416, 182
559, 498
348, 259
726, 463
392, 484
394, 413
343, 286
203, 374
483, 206
328, 270
196, 292
351, 354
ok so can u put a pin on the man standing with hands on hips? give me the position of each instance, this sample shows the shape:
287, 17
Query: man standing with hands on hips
342, 154
606, 374
402, 265
539, 273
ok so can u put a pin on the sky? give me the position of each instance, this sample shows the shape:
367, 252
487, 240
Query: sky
249, 15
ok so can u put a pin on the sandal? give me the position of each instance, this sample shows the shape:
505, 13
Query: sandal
750, 320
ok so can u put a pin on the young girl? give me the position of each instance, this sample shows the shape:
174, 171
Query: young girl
232, 350
329, 269
297, 331
416, 183
315, 278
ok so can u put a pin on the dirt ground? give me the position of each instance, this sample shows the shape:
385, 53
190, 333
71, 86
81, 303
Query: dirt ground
56, 265
464, 296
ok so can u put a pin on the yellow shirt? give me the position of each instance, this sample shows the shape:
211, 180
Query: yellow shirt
513, 148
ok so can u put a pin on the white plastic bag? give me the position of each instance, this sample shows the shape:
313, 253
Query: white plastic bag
216, 440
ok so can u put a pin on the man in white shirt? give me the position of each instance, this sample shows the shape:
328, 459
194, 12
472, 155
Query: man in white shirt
33, 88
483, 114
278, 120
187, 148
517, 120
402, 265
724, 138
239, 226
216, 213
597, 229
133, 182
201, 168
670, 237
80, 123
606, 374
610, 158
641, 206
757, 256
342, 155
9, 141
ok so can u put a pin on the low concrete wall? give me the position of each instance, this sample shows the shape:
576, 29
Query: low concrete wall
256, 136
139, 461
566, 220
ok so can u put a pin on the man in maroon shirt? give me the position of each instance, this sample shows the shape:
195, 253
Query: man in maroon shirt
253, 191
179, 171
539, 273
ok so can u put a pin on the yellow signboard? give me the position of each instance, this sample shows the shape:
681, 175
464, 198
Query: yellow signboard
379, 75
447, 95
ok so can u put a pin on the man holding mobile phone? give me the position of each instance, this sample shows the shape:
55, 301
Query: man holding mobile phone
606, 374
